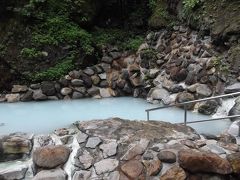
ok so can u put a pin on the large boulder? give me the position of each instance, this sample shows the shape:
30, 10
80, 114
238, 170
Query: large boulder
159, 94
51, 156
197, 162
184, 97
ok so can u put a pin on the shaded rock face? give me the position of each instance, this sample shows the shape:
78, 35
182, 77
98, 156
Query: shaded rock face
7, 76
235, 110
51, 156
196, 161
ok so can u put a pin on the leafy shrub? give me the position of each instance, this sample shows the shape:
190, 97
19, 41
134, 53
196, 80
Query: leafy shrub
122, 39
60, 29
55, 72
30, 53
190, 4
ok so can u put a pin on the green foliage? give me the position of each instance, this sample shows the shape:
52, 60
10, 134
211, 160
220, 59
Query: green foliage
220, 65
190, 4
133, 43
57, 30
160, 16
55, 72
30, 53
149, 54
124, 40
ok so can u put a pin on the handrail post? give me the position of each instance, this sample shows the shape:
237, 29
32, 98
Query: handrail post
148, 115
185, 114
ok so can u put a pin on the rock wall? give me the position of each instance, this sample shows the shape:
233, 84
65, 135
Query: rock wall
171, 66
119, 149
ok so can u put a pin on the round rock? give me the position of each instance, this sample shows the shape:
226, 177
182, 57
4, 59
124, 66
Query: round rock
51, 156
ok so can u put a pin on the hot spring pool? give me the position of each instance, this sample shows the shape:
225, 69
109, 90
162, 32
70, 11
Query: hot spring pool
44, 117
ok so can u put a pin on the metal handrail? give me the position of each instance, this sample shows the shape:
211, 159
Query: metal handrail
195, 101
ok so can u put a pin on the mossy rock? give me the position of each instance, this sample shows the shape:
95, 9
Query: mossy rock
161, 16
219, 17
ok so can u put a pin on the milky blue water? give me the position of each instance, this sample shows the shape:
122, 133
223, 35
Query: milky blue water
44, 117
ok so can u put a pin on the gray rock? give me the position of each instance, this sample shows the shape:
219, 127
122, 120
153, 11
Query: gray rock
82, 90
93, 142
115, 54
2, 98
77, 95
53, 174
39, 96
208, 107
88, 71
77, 82
184, 97
109, 149
203, 90
106, 166
63, 81
17, 172
74, 74
107, 59
48, 88
85, 160
93, 91
87, 80
19, 88
35, 86
105, 92
103, 76
167, 156
67, 139
106, 67
137, 149
81, 175
235, 110
215, 149
234, 128
104, 84
11, 98
233, 88
159, 94
114, 176
81, 137
28, 96
66, 91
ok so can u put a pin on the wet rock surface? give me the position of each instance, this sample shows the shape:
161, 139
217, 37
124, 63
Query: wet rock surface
122, 149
